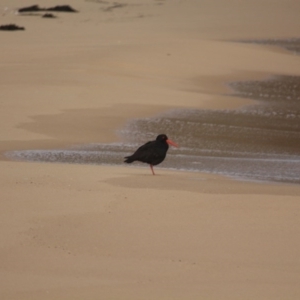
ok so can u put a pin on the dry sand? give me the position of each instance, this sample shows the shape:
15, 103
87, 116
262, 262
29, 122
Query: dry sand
98, 232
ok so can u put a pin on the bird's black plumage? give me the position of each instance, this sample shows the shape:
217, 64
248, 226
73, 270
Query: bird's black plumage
152, 153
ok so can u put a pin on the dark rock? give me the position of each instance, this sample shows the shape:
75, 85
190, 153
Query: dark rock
62, 8
11, 27
30, 9
49, 16
59, 8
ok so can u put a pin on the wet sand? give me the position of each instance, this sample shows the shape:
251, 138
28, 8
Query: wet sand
88, 231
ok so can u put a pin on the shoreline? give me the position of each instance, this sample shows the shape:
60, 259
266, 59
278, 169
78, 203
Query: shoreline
84, 152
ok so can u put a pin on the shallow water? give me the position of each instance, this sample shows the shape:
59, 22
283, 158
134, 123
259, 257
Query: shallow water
292, 44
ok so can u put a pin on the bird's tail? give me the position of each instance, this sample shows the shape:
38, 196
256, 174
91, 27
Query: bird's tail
128, 159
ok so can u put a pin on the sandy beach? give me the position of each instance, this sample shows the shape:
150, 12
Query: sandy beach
112, 232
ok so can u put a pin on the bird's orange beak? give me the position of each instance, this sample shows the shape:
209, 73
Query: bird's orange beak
171, 143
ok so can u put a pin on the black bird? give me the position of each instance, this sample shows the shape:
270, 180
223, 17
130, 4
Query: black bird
152, 153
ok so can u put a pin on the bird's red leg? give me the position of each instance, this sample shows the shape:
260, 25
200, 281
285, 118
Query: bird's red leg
152, 169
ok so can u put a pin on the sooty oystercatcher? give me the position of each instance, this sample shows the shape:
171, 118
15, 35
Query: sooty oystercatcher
152, 153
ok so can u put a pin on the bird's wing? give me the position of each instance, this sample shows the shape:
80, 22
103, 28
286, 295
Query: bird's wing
145, 147
146, 152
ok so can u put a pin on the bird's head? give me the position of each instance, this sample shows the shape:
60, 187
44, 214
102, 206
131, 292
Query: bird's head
164, 138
